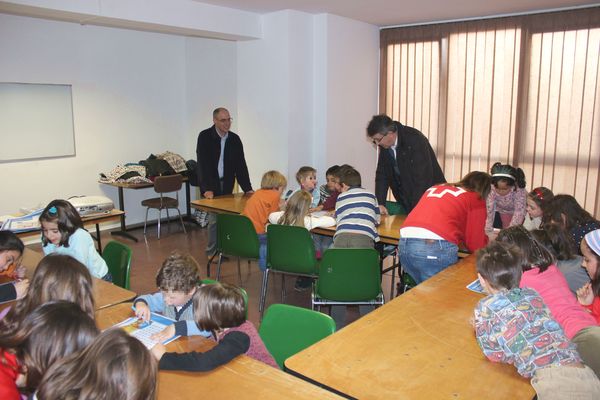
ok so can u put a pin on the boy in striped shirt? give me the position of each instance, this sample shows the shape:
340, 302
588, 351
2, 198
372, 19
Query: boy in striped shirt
356, 212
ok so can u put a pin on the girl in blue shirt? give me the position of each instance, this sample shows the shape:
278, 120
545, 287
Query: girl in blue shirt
63, 233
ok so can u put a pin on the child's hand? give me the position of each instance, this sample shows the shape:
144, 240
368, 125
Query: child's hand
383, 210
585, 295
165, 334
158, 350
493, 235
142, 311
21, 287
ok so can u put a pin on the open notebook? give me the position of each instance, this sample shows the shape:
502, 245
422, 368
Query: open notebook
142, 330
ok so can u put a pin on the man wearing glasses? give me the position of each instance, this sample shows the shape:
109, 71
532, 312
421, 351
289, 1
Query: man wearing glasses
406, 164
220, 162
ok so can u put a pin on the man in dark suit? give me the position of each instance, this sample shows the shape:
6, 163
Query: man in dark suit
220, 162
406, 164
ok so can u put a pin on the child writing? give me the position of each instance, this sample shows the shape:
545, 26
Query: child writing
219, 308
114, 366
513, 326
356, 211
11, 249
63, 233
50, 332
307, 179
506, 203
177, 280
57, 277
536, 201
541, 274
262, 203
589, 294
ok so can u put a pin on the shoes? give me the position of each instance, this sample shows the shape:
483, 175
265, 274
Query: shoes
303, 284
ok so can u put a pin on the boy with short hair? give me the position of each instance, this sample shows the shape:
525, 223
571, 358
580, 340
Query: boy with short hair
514, 326
329, 192
356, 211
177, 279
307, 179
263, 202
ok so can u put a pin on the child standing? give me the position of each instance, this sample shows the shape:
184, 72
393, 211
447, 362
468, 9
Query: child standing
536, 201
356, 212
11, 249
219, 308
50, 332
513, 326
506, 203
262, 203
307, 179
114, 366
63, 233
589, 294
177, 279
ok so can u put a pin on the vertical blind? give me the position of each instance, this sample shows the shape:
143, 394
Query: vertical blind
521, 90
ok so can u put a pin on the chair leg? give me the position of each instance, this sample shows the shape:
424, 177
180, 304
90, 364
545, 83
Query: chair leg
219, 266
146, 220
181, 220
263, 293
159, 217
239, 272
283, 288
393, 276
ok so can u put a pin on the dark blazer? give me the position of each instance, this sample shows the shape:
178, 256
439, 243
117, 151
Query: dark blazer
208, 151
417, 168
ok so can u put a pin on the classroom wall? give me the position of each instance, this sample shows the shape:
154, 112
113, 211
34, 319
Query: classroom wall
128, 102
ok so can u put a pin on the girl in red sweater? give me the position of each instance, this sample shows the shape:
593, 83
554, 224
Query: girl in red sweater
589, 294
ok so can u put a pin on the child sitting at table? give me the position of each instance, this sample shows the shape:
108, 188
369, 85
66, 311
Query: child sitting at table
536, 202
57, 277
307, 179
589, 294
262, 203
177, 279
514, 326
114, 366
221, 309
356, 212
11, 249
329, 192
49, 333
63, 233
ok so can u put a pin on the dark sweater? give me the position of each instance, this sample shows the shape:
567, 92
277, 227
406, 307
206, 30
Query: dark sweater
7, 292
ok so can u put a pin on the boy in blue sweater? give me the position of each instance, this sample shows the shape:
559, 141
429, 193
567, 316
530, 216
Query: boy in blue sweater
177, 279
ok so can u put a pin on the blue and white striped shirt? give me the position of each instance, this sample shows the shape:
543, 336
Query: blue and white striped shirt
357, 211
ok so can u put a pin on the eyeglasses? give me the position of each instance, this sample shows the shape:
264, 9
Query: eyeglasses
376, 141
225, 120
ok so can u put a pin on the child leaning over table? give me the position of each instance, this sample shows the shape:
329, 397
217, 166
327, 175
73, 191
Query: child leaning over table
178, 280
221, 309
514, 326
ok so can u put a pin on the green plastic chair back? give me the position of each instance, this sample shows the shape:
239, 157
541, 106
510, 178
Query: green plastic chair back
236, 236
349, 275
118, 259
244, 293
286, 330
395, 208
291, 249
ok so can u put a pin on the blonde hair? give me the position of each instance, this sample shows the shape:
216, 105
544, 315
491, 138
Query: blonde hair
273, 180
304, 172
296, 209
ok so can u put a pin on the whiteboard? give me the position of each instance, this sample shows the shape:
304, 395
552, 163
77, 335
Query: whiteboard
36, 121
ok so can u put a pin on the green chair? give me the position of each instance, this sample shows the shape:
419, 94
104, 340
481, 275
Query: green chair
118, 259
236, 237
290, 251
244, 293
286, 330
348, 276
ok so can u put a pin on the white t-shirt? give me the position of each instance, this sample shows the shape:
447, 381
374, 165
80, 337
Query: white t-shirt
312, 221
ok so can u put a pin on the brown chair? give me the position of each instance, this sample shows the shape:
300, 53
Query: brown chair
165, 184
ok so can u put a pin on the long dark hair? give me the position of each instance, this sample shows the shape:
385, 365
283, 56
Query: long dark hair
509, 174
49, 333
557, 240
10, 242
115, 366
565, 210
535, 254
65, 216
476, 181
57, 277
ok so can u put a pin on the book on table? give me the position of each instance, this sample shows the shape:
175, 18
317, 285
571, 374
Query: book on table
476, 287
143, 330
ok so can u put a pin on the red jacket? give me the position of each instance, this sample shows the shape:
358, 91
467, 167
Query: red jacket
9, 370
453, 213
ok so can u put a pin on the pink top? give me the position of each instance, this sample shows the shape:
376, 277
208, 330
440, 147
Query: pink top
554, 290
514, 204
257, 349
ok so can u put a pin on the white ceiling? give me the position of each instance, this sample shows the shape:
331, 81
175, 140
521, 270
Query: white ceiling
399, 12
